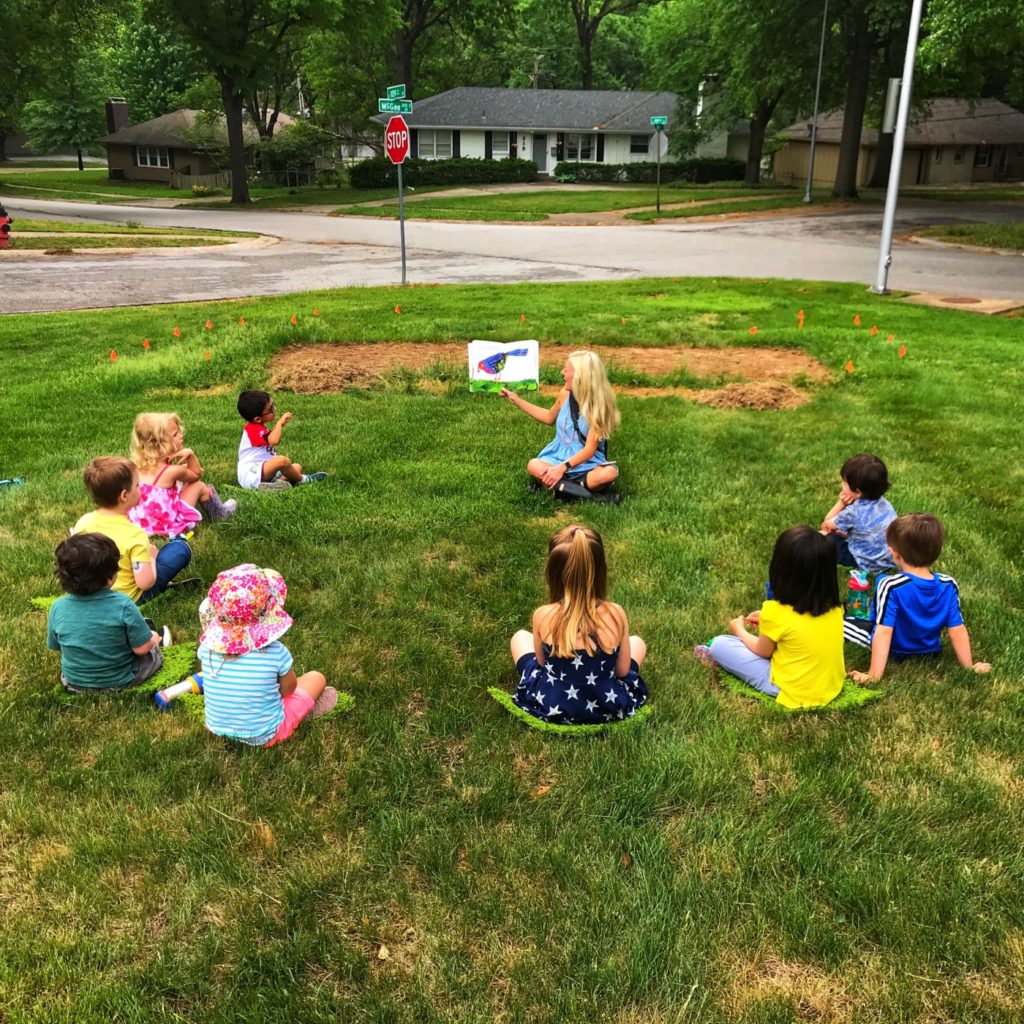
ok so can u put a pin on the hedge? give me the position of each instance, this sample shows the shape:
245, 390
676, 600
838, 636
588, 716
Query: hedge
699, 170
379, 172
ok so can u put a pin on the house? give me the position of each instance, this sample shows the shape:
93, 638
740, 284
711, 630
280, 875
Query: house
166, 149
543, 125
949, 141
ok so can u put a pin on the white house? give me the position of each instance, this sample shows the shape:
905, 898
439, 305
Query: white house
543, 125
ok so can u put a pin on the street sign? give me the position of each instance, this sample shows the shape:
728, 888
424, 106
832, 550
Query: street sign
396, 139
396, 92
659, 122
394, 106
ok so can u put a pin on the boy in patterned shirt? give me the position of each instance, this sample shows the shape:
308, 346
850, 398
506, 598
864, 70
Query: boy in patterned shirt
858, 520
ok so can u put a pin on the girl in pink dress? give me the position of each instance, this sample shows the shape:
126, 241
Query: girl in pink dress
170, 479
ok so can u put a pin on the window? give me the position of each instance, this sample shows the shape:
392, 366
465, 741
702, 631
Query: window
152, 156
434, 144
499, 145
639, 144
938, 154
958, 154
579, 147
982, 156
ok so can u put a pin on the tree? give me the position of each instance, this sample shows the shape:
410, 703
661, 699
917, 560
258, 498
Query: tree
151, 70
237, 43
696, 51
588, 15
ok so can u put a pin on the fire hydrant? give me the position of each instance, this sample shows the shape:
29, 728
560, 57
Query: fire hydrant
5, 228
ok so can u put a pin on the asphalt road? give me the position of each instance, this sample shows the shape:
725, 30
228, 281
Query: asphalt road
330, 252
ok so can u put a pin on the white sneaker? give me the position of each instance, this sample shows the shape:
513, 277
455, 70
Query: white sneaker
166, 639
230, 506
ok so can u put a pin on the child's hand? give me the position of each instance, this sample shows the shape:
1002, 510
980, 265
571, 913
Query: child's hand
156, 639
285, 417
738, 625
861, 677
828, 526
552, 475
510, 395
754, 619
982, 667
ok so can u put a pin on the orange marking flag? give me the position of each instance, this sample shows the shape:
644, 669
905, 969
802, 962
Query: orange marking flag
293, 320
208, 325
145, 344
113, 355
800, 319
849, 366
888, 340
874, 330
206, 357
902, 352
856, 319
241, 321
398, 309
622, 320
176, 332
316, 312
522, 318
753, 330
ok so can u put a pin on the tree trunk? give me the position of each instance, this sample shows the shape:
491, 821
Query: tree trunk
3, 147
758, 128
236, 142
403, 60
858, 73
586, 58
81, 162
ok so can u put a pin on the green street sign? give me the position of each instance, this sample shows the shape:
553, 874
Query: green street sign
394, 106
659, 122
396, 92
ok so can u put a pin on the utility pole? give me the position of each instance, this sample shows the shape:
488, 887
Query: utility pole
817, 96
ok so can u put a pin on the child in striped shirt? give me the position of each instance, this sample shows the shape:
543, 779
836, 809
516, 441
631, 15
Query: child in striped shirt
251, 691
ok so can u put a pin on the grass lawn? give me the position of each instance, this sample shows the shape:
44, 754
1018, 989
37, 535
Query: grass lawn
786, 201
91, 185
974, 194
39, 234
995, 236
536, 206
428, 859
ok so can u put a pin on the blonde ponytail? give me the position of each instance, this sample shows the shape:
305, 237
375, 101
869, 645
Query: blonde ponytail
577, 582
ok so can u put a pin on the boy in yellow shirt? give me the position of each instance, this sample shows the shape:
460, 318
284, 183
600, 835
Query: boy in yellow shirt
142, 570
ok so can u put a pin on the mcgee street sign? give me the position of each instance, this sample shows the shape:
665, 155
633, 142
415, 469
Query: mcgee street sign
394, 106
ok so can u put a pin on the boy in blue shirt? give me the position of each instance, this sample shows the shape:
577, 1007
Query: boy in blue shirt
104, 642
912, 606
858, 520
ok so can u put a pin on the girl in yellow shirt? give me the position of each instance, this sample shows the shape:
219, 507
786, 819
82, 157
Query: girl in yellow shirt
797, 654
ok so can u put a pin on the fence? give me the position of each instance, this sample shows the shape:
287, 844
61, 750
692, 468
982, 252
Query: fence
222, 179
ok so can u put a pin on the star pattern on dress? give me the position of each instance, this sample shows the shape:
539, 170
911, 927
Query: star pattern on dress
591, 679
556, 710
571, 693
577, 662
609, 697
591, 705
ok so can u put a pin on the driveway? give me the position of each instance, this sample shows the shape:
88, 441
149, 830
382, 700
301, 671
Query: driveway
331, 252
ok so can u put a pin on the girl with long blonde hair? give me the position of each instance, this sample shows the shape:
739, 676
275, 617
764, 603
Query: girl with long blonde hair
170, 479
579, 665
575, 464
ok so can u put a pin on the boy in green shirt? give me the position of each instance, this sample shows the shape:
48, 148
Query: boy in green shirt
104, 642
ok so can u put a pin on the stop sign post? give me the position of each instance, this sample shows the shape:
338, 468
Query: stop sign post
396, 145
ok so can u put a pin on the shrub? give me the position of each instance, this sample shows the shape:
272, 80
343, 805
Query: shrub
200, 190
699, 170
379, 172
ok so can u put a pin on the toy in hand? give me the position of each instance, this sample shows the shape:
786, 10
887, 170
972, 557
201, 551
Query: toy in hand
496, 363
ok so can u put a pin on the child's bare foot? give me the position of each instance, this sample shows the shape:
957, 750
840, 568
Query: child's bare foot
703, 654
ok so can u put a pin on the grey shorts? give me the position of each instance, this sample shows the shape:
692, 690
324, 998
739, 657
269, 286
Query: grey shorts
146, 666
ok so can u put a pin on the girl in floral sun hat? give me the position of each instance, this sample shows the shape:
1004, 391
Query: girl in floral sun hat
250, 688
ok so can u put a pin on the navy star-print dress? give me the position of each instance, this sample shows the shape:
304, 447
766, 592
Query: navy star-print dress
581, 690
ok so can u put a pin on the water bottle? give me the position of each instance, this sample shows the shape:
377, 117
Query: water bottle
858, 595
164, 697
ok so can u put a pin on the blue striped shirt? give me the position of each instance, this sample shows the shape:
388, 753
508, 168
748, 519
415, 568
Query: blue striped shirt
864, 523
243, 694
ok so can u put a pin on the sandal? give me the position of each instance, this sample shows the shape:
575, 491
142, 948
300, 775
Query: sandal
326, 704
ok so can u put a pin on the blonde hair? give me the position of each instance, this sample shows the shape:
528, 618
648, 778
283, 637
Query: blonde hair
151, 438
577, 580
593, 393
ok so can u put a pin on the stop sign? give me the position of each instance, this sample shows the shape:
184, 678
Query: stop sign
396, 139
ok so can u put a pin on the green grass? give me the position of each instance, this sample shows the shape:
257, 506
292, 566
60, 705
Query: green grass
538, 205
92, 185
25, 225
993, 236
426, 858
971, 194
39, 234
778, 202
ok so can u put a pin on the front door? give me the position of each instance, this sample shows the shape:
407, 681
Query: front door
540, 152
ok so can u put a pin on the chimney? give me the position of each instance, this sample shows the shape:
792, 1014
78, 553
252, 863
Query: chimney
117, 114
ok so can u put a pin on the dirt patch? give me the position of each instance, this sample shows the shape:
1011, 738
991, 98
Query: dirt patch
763, 376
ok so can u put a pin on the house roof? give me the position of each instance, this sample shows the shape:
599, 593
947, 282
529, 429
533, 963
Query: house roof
942, 122
543, 109
171, 129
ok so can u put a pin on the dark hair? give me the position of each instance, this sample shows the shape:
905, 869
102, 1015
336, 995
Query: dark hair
917, 538
867, 474
106, 477
251, 404
85, 562
802, 572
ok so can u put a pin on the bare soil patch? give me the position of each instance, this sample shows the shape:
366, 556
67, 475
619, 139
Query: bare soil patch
763, 378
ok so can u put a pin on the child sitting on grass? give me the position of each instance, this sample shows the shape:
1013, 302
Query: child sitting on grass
104, 642
857, 522
579, 665
251, 692
170, 479
797, 658
259, 465
914, 605
575, 463
142, 570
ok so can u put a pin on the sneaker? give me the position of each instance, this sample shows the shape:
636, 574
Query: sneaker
703, 654
14, 481
189, 581
326, 703
165, 639
312, 478
230, 506
277, 484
